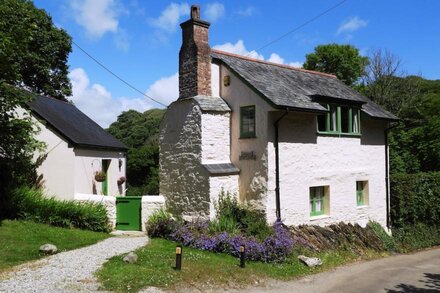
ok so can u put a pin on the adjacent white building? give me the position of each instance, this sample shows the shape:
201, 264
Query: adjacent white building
76, 149
299, 145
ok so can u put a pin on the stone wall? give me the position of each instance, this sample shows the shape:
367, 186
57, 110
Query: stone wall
218, 184
184, 182
150, 204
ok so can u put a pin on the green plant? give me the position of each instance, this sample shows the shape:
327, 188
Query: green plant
388, 241
417, 236
223, 224
100, 176
161, 224
31, 204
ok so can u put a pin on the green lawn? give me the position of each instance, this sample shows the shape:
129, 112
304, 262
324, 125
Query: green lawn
202, 269
20, 240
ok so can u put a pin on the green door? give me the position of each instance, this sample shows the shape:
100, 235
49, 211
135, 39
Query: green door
128, 213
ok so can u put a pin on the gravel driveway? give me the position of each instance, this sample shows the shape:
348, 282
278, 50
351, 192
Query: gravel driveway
70, 271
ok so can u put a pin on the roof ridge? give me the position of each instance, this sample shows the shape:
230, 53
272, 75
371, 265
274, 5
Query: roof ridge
272, 63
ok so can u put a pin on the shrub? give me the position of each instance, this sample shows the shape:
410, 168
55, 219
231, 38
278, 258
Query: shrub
388, 241
32, 205
161, 224
415, 198
417, 236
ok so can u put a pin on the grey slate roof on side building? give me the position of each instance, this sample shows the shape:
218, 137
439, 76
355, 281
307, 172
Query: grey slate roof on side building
74, 125
298, 89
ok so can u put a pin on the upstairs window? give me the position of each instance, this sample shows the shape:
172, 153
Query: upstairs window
247, 122
340, 120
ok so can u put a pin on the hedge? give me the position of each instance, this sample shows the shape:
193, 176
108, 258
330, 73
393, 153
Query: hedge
415, 199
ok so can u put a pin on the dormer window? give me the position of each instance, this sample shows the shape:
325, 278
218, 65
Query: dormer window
340, 120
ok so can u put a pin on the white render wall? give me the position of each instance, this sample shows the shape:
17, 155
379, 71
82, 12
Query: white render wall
215, 137
218, 184
308, 160
150, 204
253, 173
87, 162
58, 167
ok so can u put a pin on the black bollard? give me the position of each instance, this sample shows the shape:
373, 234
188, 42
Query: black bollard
242, 256
179, 257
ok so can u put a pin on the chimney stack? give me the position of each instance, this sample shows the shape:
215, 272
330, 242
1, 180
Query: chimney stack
194, 57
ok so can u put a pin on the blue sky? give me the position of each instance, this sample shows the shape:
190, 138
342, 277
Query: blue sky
140, 40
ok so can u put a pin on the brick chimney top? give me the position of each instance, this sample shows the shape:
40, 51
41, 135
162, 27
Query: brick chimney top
194, 57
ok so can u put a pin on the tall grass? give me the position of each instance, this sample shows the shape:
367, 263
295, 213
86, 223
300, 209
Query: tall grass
31, 204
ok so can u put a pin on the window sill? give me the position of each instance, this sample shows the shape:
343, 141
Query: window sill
362, 207
246, 137
320, 217
338, 134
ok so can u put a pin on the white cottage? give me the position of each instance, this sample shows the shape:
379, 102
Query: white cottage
76, 148
299, 145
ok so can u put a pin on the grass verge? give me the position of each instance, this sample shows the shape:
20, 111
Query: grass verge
20, 240
204, 270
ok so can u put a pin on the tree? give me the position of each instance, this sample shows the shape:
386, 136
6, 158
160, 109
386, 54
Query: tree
344, 61
386, 83
33, 55
33, 52
140, 132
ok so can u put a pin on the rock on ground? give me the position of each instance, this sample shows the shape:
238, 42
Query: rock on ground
48, 249
70, 271
131, 258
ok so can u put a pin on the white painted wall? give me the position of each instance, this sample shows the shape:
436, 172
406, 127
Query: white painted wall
109, 203
215, 137
307, 159
150, 204
218, 184
87, 162
58, 167
253, 173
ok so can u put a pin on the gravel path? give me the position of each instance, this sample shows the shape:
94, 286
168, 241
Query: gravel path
70, 271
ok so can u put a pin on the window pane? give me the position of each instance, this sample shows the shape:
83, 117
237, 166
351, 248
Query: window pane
333, 118
345, 111
355, 121
247, 121
322, 119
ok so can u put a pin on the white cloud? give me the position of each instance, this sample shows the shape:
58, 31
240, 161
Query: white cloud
97, 102
297, 64
170, 17
238, 48
275, 58
248, 11
122, 40
352, 24
214, 11
165, 89
97, 17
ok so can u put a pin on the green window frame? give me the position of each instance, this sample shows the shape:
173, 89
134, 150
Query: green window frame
317, 201
340, 120
247, 122
360, 193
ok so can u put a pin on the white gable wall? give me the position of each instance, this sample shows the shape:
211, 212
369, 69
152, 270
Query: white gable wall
253, 173
58, 167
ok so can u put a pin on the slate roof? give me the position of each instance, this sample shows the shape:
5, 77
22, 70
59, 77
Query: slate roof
215, 104
295, 88
222, 169
73, 124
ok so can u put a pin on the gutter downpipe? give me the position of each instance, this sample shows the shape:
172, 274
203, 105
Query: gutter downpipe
387, 172
277, 169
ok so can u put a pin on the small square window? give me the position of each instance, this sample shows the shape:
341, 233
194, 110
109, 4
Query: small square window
319, 201
361, 193
247, 121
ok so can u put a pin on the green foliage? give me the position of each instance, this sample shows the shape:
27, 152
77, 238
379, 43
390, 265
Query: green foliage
140, 132
21, 240
415, 199
32, 205
33, 51
344, 61
418, 236
161, 224
232, 217
388, 241
17, 146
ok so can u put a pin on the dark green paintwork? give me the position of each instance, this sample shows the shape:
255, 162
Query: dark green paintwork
128, 213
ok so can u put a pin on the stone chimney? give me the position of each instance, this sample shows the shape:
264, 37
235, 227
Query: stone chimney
194, 57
